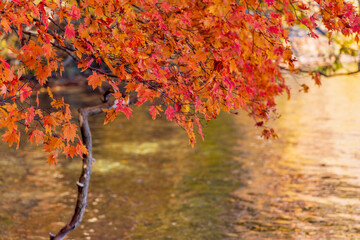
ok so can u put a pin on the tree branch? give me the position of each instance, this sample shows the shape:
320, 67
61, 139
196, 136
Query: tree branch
83, 183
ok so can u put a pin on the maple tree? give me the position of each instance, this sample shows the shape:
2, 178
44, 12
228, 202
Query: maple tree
188, 59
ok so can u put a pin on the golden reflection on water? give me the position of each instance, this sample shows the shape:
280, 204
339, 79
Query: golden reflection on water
305, 185
148, 183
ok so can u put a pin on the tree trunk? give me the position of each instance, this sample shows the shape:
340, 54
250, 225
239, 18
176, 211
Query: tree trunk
83, 183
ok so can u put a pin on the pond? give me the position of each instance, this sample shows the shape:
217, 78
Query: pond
148, 183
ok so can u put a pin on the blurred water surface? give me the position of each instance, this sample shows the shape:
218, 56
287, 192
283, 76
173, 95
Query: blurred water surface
148, 183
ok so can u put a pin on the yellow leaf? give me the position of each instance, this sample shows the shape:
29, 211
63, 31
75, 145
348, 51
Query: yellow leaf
185, 108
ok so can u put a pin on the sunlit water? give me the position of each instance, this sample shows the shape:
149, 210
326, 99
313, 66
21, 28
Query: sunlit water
148, 183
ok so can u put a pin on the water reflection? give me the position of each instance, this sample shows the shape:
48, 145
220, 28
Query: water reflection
148, 183
306, 184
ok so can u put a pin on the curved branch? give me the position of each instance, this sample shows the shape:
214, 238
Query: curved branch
83, 183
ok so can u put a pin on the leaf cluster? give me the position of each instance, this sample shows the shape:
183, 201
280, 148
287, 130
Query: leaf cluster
188, 59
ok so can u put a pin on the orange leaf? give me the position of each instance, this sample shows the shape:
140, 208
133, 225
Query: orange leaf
11, 137
69, 131
57, 103
52, 143
110, 115
81, 149
96, 80
70, 151
52, 158
36, 136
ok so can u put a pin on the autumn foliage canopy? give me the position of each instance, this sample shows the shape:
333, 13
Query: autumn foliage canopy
187, 60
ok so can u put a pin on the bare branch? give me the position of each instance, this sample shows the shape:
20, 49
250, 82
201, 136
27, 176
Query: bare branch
84, 180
